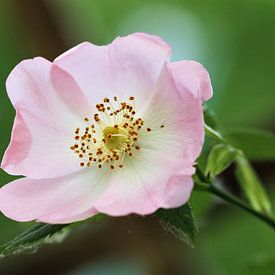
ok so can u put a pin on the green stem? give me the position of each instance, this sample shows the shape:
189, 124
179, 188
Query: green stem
205, 185
216, 135
237, 202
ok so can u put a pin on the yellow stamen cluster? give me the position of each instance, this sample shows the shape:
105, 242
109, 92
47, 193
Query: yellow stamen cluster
110, 134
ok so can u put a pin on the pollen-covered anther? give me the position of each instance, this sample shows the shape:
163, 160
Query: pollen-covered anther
96, 117
111, 139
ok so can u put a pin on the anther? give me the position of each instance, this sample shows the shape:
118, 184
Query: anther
96, 117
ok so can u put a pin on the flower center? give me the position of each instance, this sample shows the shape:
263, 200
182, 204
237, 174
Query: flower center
116, 138
111, 136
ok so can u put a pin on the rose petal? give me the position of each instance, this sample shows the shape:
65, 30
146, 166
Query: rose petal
69, 91
129, 66
192, 76
147, 181
46, 118
178, 191
57, 200
175, 118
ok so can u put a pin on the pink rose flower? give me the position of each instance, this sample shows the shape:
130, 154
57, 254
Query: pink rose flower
112, 129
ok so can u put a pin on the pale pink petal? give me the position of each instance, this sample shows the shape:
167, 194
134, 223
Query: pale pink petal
57, 200
148, 181
19, 146
192, 76
129, 66
45, 120
69, 91
178, 191
179, 113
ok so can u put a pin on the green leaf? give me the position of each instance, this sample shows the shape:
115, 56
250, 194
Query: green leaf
39, 234
220, 157
30, 240
180, 222
258, 145
252, 186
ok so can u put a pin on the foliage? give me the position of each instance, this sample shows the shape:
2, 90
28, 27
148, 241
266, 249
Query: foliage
179, 221
31, 239
220, 157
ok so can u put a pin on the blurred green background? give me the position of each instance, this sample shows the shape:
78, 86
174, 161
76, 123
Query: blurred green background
235, 40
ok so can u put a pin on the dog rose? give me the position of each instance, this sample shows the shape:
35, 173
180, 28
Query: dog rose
113, 129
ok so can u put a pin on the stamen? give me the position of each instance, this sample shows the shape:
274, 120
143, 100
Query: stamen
113, 135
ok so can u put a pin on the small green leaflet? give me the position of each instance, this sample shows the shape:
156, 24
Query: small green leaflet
31, 239
252, 186
180, 222
220, 157
39, 234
